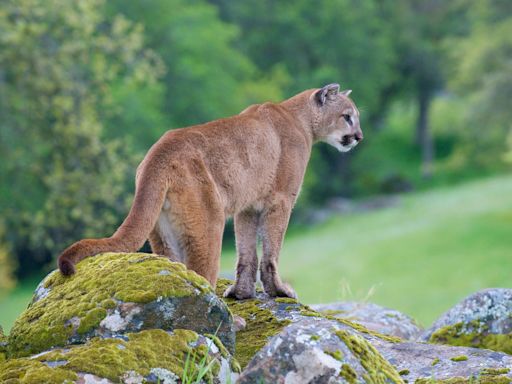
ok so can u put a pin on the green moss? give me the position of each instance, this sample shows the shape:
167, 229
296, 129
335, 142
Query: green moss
307, 311
467, 380
91, 320
474, 335
379, 370
112, 358
287, 300
404, 372
26, 371
459, 358
331, 312
338, 355
261, 325
348, 373
436, 360
315, 337
78, 303
494, 371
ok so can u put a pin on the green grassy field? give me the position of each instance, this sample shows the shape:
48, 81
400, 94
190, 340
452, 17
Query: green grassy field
420, 257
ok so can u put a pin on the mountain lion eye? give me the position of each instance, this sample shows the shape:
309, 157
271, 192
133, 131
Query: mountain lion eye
348, 119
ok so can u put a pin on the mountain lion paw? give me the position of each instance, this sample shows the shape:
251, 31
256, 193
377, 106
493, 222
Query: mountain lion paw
282, 290
238, 293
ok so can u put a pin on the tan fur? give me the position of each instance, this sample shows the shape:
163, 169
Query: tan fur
249, 166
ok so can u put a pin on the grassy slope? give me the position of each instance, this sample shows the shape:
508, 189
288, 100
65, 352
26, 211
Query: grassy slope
17, 300
420, 257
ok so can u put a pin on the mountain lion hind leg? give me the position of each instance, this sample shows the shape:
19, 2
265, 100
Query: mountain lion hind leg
274, 221
198, 219
246, 228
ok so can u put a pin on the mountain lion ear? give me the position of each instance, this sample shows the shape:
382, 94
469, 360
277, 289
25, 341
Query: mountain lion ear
346, 92
327, 93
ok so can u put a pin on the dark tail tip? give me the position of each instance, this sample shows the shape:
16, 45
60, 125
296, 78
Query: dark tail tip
66, 266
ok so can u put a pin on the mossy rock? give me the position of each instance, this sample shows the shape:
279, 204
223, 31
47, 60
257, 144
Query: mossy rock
153, 356
482, 320
265, 317
3, 345
116, 293
319, 351
327, 351
375, 317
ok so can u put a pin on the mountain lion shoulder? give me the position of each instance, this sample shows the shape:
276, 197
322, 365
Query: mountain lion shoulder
249, 166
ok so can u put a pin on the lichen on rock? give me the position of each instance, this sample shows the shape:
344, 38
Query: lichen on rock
147, 356
374, 317
116, 293
482, 320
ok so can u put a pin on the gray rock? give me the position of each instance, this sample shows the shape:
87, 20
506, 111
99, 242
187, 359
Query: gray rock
318, 351
114, 294
327, 351
372, 316
483, 320
152, 356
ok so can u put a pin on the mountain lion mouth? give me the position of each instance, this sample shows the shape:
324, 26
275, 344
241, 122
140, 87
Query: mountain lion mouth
347, 144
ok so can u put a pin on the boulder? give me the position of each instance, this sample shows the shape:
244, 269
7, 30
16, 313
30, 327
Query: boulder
372, 316
113, 294
320, 351
265, 317
483, 320
152, 356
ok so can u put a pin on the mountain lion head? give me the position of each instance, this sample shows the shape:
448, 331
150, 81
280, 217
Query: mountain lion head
337, 118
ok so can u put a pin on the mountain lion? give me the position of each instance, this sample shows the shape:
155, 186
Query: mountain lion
249, 166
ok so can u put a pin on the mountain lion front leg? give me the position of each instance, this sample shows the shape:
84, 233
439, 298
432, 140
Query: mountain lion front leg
246, 227
274, 223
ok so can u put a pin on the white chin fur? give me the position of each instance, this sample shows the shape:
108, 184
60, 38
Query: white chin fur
342, 148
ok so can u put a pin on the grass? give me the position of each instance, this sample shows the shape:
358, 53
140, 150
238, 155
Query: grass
16, 301
420, 257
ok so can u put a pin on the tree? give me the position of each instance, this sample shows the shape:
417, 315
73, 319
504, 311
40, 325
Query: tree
206, 77
59, 61
483, 77
6, 265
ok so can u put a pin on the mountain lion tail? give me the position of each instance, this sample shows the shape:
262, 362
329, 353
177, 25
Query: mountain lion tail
131, 235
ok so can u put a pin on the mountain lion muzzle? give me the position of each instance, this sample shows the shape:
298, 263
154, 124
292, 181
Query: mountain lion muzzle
249, 166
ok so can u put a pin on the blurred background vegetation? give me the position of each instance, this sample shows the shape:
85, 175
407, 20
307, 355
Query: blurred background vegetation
87, 86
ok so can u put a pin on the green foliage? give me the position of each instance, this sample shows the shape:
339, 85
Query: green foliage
6, 265
482, 77
59, 62
207, 77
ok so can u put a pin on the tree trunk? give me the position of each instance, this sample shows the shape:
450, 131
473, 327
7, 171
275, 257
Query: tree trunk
424, 135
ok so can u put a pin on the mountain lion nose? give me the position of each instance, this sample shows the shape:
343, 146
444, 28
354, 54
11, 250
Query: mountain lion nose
358, 136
